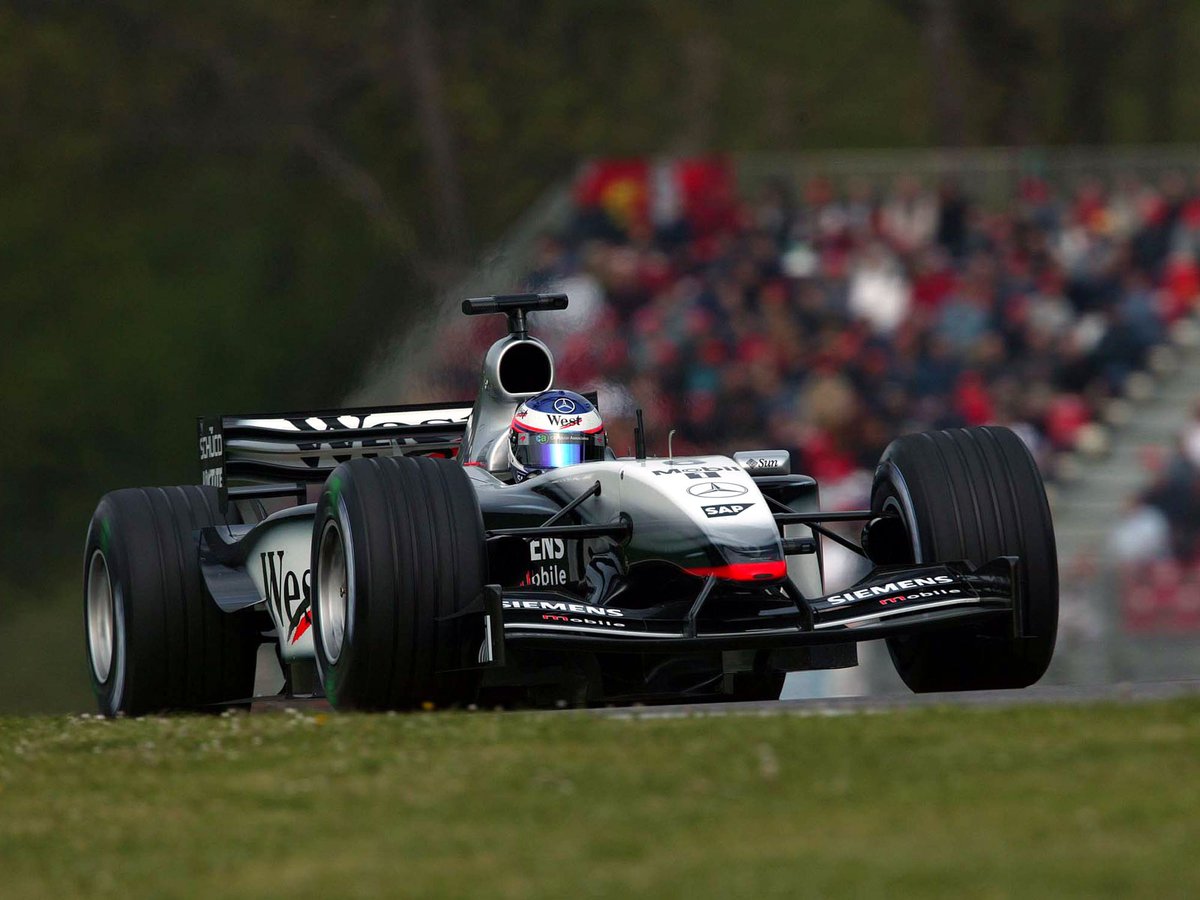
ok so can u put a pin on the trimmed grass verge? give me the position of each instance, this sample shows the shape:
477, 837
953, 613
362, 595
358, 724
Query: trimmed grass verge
1054, 802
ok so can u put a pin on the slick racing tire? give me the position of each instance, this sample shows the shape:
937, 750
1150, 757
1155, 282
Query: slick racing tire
973, 494
398, 550
155, 639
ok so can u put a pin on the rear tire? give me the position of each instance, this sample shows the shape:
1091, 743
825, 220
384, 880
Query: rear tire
973, 494
155, 639
398, 548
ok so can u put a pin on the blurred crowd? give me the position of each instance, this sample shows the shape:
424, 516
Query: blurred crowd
1156, 544
826, 319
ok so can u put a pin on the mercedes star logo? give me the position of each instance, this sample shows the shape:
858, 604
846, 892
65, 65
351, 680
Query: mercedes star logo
564, 405
716, 490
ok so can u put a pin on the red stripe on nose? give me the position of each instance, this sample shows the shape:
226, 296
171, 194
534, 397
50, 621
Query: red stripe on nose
764, 571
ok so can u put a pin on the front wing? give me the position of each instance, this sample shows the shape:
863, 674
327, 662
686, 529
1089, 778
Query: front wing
891, 600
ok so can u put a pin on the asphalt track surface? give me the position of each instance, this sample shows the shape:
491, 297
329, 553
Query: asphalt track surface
1038, 695
1047, 695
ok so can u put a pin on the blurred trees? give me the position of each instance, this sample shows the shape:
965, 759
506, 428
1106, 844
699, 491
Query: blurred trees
1061, 71
220, 207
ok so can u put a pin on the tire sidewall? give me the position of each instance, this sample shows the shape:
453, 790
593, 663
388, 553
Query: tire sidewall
112, 694
891, 494
173, 648
337, 678
413, 539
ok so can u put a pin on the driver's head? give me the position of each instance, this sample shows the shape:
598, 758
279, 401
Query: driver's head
552, 430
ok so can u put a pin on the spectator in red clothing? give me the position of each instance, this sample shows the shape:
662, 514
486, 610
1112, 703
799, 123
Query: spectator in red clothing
933, 280
972, 402
1181, 281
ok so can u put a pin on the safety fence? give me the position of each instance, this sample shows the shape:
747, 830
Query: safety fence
989, 174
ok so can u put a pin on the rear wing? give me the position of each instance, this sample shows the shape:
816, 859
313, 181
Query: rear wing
280, 455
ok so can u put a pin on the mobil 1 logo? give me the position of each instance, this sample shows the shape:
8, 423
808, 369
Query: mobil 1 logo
721, 510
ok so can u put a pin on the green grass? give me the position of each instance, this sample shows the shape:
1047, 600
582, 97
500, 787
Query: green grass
43, 664
1051, 802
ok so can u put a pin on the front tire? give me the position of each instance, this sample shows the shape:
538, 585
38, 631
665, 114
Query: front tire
155, 639
398, 551
973, 494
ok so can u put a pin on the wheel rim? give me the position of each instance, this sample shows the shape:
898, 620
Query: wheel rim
101, 617
333, 590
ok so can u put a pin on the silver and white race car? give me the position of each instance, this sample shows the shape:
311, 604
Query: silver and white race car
392, 565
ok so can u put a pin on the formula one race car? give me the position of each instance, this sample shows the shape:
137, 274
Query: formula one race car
403, 566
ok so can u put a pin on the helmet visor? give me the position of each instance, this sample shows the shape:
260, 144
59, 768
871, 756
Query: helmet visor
553, 451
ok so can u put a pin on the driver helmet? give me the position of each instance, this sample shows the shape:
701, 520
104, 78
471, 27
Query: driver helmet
552, 430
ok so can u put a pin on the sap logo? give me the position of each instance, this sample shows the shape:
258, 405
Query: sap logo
291, 596
546, 548
725, 509
892, 587
212, 446
564, 421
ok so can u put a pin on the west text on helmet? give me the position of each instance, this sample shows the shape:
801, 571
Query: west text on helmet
891, 587
558, 606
